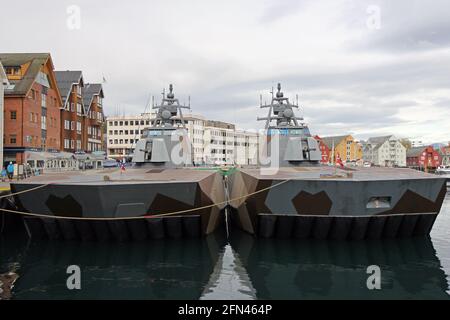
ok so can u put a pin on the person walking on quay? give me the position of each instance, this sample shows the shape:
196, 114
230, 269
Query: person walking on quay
10, 170
3, 174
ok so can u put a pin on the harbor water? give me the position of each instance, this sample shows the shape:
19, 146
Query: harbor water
235, 267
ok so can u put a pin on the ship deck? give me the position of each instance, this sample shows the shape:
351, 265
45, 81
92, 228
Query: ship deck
337, 174
114, 176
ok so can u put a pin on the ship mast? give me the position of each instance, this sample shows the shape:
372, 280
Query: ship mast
168, 110
281, 110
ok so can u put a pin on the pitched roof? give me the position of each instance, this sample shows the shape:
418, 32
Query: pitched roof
21, 87
415, 151
329, 140
65, 80
89, 91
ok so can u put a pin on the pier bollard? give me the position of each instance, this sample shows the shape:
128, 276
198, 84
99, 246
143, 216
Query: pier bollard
156, 228
303, 227
173, 227
266, 225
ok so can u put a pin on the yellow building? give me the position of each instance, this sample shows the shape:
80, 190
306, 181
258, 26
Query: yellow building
346, 146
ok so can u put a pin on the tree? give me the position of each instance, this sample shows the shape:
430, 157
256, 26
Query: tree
406, 143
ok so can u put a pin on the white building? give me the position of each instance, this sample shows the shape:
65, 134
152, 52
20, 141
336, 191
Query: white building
213, 142
386, 151
3, 83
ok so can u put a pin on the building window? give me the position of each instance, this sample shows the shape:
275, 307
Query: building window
79, 126
43, 100
79, 108
13, 115
72, 144
72, 125
67, 124
43, 123
78, 144
12, 139
72, 107
32, 94
66, 143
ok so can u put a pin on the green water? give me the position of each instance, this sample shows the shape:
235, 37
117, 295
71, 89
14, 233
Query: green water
240, 267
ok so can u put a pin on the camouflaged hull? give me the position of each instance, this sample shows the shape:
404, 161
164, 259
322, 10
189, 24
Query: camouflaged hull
322, 202
110, 194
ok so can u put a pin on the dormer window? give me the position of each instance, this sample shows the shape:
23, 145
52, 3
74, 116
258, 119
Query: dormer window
12, 71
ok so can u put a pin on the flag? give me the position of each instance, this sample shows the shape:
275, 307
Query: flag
339, 160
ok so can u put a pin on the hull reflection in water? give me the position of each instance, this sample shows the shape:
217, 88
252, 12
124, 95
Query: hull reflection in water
286, 269
168, 269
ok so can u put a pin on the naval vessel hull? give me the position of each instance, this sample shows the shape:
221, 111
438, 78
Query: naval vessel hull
103, 197
322, 202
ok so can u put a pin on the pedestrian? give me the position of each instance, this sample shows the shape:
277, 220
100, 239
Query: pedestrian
10, 170
3, 174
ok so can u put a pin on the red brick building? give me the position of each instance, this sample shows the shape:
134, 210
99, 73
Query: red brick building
32, 105
95, 120
423, 158
73, 114
324, 149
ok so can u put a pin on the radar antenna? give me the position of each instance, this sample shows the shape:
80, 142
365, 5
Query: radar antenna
281, 110
168, 110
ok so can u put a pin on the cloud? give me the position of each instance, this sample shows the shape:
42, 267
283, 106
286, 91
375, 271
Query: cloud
350, 78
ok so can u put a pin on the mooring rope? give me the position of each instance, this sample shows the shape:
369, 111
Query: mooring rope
41, 215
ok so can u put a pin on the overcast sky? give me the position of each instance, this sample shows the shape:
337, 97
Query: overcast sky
361, 67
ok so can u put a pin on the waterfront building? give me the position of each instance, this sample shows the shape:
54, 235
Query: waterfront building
73, 115
213, 142
345, 146
385, 151
92, 94
324, 150
445, 155
423, 158
3, 83
32, 104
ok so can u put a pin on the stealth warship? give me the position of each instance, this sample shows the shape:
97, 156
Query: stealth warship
292, 195
162, 181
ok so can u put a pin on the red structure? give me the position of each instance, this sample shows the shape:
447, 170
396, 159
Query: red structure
423, 158
324, 149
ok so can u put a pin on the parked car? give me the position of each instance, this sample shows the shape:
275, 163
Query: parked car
110, 163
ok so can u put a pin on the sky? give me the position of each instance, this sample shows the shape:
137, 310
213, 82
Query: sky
366, 68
